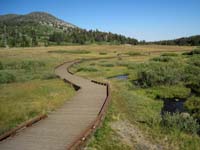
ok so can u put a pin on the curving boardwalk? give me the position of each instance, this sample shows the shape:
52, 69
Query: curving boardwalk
63, 125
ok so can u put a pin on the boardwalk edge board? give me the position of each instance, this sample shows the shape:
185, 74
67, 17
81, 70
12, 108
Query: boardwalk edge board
81, 139
22, 126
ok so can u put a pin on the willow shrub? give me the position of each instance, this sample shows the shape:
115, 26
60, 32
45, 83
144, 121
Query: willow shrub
6, 77
180, 122
156, 73
193, 106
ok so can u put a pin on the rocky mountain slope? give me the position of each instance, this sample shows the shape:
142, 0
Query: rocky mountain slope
41, 18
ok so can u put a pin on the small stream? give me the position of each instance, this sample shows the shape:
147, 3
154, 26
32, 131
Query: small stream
169, 105
173, 106
120, 77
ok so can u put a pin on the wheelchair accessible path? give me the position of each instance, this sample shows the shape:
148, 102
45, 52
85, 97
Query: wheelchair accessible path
62, 126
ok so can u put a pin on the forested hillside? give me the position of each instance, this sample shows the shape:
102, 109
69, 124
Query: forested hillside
43, 29
187, 41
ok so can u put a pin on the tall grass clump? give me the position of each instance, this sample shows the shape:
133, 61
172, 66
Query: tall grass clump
170, 54
102, 53
6, 77
162, 59
70, 51
25, 64
134, 53
107, 65
177, 121
1, 66
193, 52
87, 69
193, 106
155, 74
170, 92
31, 65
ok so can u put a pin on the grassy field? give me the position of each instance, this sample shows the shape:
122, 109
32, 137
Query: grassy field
137, 109
133, 119
22, 101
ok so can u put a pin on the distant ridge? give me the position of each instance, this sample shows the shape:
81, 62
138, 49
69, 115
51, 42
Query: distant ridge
190, 41
42, 18
44, 29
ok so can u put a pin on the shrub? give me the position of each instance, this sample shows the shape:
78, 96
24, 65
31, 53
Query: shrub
177, 121
70, 51
49, 76
162, 59
195, 61
134, 53
154, 74
107, 65
123, 64
102, 53
193, 106
192, 78
1, 66
30, 65
25, 64
171, 92
170, 54
6, 77
87, 69
193, 52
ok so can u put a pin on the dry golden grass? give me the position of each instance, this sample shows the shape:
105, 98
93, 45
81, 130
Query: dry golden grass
21, 101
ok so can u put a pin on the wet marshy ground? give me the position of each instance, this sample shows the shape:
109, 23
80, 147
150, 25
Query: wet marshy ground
120, 77
173, 106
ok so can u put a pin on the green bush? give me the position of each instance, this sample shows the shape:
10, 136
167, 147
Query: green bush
193, 52
170, 92
107, 65
170, 54
102, 53
31, 65
162, 59
87, 69
1, 66
194, 60
193, 106
49, 76
133, 53
25, 64
180, 122
155, 74
70, 51
192, 78
6, 77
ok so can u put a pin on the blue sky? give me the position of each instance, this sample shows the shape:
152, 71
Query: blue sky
143, 19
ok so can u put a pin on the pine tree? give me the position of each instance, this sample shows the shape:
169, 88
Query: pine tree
34, 38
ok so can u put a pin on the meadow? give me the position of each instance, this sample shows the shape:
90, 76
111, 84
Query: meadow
134, 119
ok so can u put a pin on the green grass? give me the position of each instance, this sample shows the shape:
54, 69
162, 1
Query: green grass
70, 51
22, 101
105, 137
140, 107
134, 53
170, 54
30, 91
28, 86
169, 92
102, 53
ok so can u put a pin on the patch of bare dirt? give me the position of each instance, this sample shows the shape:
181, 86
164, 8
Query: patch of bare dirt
132, 136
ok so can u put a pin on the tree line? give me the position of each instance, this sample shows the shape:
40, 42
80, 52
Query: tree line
28, 36
185, 41
32, 34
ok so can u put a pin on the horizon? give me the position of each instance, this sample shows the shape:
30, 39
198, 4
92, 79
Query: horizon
143, 20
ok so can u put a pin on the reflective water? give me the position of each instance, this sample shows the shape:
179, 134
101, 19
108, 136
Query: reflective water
173, 106
120, 77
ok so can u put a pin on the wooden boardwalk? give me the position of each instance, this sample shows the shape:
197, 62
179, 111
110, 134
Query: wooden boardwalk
62, 126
